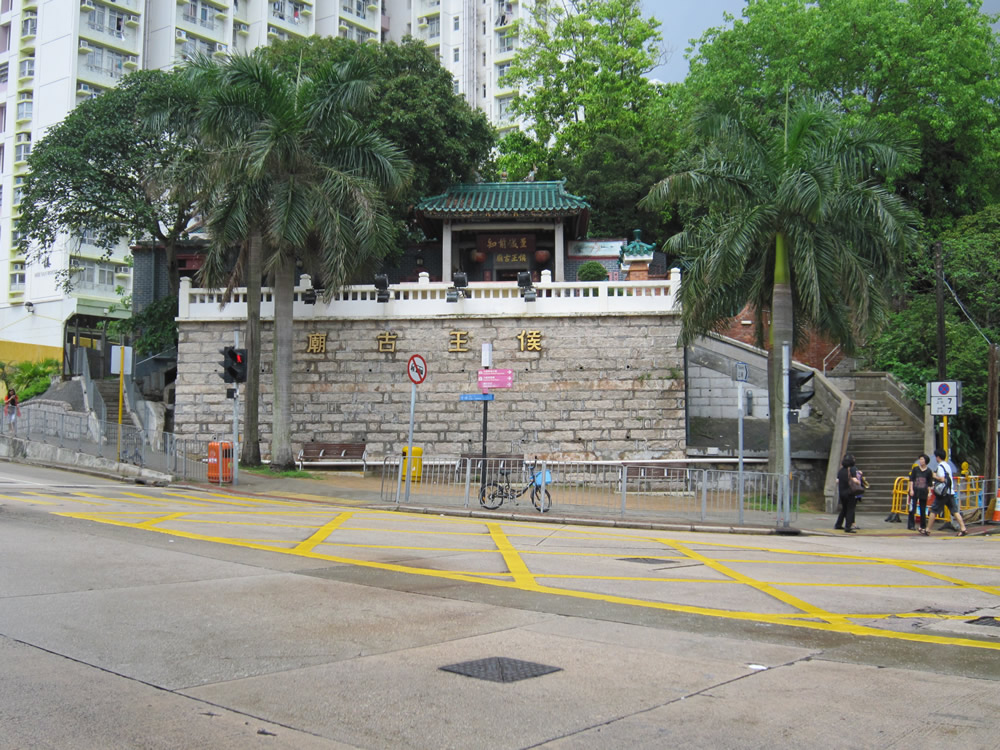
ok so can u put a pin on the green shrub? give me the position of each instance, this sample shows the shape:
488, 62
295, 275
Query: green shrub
29, 378
592, 271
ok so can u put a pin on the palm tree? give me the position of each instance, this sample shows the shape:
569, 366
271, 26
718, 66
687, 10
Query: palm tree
793, 219
302, 179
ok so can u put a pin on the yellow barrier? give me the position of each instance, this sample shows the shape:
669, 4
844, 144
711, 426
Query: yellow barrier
967, 490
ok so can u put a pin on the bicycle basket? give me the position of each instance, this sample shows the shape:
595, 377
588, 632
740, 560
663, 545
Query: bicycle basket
538, 478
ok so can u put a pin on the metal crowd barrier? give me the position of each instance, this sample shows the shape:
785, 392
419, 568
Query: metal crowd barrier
599, 488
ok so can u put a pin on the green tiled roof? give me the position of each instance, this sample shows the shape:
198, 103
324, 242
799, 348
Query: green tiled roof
493, 200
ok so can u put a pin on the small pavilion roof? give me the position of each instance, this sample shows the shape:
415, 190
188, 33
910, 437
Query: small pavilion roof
504, 201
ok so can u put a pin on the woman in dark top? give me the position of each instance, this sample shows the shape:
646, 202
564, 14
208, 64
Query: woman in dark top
921, 478
848, 495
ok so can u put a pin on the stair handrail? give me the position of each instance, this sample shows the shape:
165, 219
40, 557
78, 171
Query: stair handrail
829, 355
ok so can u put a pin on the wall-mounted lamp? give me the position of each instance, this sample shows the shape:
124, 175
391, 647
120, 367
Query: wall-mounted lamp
524, 284
460, 285
382, 287
29, 306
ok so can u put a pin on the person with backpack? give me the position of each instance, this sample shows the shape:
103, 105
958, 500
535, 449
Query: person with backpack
944, 494
850, 486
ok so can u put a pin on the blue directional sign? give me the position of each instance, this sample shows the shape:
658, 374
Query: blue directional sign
475, 397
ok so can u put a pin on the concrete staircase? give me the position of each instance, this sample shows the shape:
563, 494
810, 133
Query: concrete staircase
108, 388
884, 448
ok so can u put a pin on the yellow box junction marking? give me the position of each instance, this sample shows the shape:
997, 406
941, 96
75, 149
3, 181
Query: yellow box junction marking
808, 616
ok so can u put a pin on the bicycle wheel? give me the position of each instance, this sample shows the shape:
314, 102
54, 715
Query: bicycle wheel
536, 498
491, 496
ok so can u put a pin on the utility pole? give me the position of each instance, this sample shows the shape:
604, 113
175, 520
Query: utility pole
992, 397
942, 361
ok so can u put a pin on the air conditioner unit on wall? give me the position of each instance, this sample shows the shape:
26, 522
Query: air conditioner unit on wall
123, 270
181, 34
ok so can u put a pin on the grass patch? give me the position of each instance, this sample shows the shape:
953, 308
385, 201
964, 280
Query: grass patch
265, 471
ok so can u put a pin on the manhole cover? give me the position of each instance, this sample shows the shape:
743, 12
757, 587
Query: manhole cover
645, 560
500, 669
985, 621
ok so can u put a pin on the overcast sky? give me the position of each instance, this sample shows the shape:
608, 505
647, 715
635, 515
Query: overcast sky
683, 20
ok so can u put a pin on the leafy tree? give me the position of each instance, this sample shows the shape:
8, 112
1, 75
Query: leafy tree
582, 68
301, 150
924, 69
413, 106
792, 219
111, 168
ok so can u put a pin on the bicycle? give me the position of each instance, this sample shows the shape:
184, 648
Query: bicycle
492, 494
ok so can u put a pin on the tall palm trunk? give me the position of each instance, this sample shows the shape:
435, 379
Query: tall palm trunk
281, 434
251, 409
782, 330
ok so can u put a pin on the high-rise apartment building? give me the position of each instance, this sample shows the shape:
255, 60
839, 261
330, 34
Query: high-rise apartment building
56, 53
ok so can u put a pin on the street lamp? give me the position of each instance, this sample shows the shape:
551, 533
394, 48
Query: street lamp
460, 284
382, 287
524, 284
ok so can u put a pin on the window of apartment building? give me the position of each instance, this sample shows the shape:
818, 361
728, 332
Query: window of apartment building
26, 68
5, 38
434, 27
6, 6
484, 58
454, 90
484, 28
108, 21
4, 72
17, 276
24, 105
455, 55
18, 194
106, 61
357, 7
503, 109
22, 147
502, 70
506, 42
29, 24
89, 274
484, 91
455, 23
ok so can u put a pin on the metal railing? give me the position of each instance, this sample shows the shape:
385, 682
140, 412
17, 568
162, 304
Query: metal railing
183, 459
600, 488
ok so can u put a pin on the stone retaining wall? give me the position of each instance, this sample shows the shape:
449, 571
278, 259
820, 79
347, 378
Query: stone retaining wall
602, 388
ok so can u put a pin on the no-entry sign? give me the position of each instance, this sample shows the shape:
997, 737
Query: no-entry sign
416, 368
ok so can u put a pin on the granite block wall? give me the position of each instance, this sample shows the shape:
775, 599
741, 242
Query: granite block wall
603, 388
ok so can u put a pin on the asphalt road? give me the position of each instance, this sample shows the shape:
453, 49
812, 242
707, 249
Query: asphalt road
178, 617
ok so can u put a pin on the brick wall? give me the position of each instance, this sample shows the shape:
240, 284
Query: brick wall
810, 353
599, 388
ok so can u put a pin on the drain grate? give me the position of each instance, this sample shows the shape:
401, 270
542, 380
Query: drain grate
985, 621
500, 669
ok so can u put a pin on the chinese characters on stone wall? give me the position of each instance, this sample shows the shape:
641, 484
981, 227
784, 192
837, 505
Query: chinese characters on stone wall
528, 340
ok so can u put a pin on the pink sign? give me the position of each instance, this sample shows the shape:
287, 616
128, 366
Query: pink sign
495, 379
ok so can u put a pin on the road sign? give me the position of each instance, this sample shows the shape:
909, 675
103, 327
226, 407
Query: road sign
742, 372
475, 397
495, 379
416, 368
944, 406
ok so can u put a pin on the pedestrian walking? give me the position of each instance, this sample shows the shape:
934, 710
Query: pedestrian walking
850, 487
921, 478
11, 410
944, 494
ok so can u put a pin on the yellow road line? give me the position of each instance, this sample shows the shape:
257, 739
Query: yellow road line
321, 534
765, 588
956, 582
515, 564
159, 519
841, 625
20, 499
67, 498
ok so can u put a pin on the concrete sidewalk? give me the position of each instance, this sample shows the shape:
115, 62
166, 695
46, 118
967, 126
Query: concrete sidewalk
356, 489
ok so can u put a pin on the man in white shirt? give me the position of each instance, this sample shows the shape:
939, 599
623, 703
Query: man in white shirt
946, 498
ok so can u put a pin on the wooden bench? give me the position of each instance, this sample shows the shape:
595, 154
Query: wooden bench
333, 454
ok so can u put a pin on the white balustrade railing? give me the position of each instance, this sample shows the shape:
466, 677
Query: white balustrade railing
425, 299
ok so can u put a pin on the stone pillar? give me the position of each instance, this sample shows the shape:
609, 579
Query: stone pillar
446, 252
560, 252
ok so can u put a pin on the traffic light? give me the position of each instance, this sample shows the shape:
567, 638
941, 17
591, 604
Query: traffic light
240, 365
228, 364
796, 396
234, 365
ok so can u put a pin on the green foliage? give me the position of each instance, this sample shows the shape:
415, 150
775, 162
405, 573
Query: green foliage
29, 378
121, 165
413, 106
583, 69
908, 349
592, 271
151, 331
890, 62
